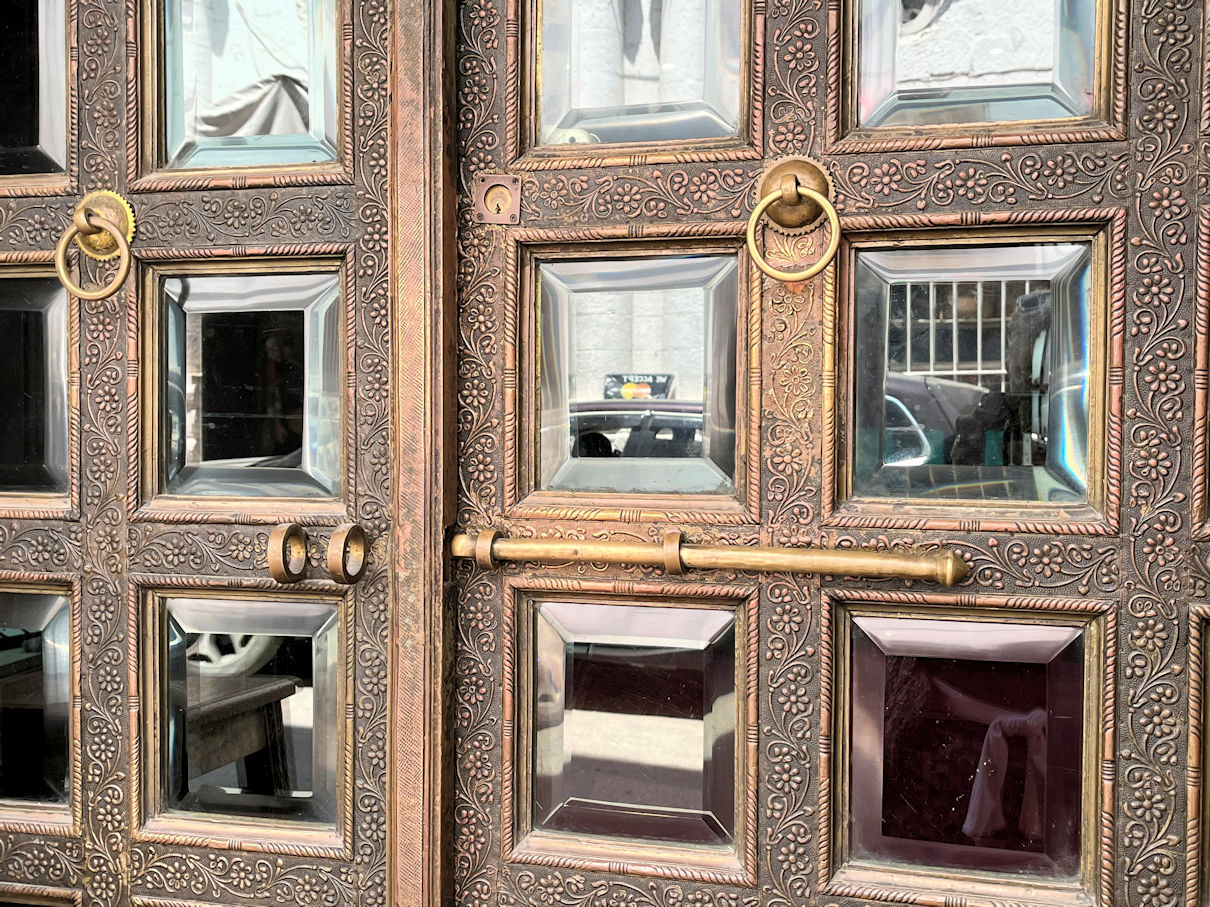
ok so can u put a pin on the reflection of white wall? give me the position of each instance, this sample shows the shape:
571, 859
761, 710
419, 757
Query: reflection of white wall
981, 42
658, 331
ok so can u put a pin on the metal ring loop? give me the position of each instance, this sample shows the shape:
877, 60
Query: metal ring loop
347, 554
288, 553
794, 276
96, 220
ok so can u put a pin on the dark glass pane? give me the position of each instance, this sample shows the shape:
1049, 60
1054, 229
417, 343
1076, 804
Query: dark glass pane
973, 760
33, 70
634, 717
35, 695
33, 346
251, 709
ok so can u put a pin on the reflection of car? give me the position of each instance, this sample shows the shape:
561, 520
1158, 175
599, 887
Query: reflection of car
636, 428
922, 415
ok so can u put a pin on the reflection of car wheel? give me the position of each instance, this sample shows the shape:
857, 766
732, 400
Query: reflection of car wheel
916, 15
230, 654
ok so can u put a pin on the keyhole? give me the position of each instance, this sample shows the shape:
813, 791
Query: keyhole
498, 199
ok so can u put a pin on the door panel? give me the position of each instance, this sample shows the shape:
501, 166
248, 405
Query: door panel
1096, 540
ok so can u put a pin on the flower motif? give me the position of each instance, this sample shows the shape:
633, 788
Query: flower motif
1172, 27
786, 777
703, 188
1158, 720
786, 619
884, 179
1148, 804
1167, 203
794, 698
1160, 116
1161, 549
796, 55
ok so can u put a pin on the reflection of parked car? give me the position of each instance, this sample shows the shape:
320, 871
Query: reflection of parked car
922, 414
636, 428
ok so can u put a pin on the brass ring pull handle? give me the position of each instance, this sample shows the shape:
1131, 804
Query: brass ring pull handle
804, 194
288, 553
347, 554
102, 226
938, 566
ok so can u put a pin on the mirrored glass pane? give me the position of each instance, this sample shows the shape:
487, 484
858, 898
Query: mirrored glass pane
251, 708
971, 373
33, 71
638, 375
967, 744
639, 70
249, 82
929, 62
634, 721
33, 346
252, 387
35, 696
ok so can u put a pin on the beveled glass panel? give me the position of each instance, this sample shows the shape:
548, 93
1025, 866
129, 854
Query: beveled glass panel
972, 373
966, 744
33, 346
638, 375
639, 70
249, 82
33, 71
35, 696
932, 62
252, 707
251, 396
634, 716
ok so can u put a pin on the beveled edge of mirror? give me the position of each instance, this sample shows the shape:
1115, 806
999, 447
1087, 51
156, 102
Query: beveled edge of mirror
1200, 528
840, 875
1105, 230
53, 504
1107, 122
1197, 792
151, 820
522, 500
523, 151
727, 865
147, 169
53, 819
66, 181
145, 501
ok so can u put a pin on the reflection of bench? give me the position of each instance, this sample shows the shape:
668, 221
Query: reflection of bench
236, 717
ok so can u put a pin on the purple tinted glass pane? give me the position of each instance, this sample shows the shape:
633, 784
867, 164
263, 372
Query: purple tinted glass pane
970, 761
634, 722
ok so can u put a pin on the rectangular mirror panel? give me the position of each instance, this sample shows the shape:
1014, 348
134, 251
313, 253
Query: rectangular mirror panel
637, 375
966, 744
932, 62
251, 396
33, 71
249, 82
33, 345
634, 714
35, 696
639, 70
252, 708
972, 373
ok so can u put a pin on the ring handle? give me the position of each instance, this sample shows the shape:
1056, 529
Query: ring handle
288, 553
758, 257
347, 551
102, 227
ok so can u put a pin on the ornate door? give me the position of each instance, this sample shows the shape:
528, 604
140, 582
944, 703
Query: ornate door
196, 485
707, 651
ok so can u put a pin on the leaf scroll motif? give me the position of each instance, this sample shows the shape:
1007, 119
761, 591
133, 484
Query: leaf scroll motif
279, 215
213, 548
38, 547
217, 874
697, 193
1042, 564
556, 889
791, 88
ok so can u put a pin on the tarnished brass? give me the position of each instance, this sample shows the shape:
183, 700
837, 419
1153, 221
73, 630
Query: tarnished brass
944, 566
102, 227
288, 553
347, 551
790, 212
497, 198
777, 197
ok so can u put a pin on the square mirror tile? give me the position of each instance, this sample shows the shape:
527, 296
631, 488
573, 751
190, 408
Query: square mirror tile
634, 722
933, 62
35, 696
249, 83
33, 70
973, 373
639, 70
34, 431
252, 384
251, 700
966, 744
638, 375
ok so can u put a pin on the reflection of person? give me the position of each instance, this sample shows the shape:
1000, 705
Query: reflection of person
283, 390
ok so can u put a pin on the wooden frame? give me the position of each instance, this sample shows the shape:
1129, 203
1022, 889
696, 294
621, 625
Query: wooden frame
522, 498
840, 875
145, 500
153, 822
523, 152
1104, 229
522, 844
145, 139
1107, 121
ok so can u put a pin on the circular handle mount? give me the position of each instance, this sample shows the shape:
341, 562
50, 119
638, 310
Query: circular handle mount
102, 227
805, 194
